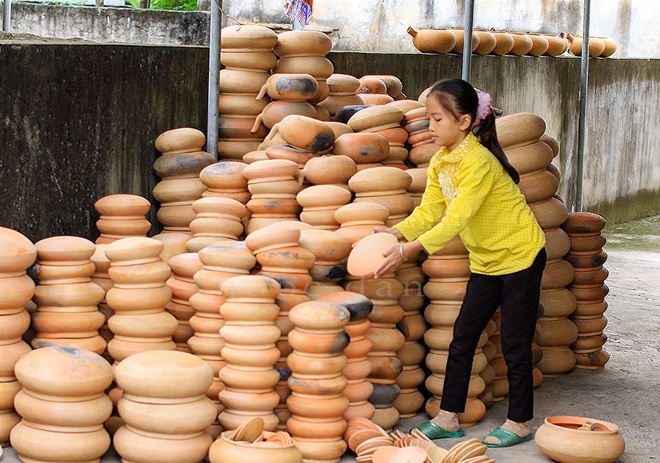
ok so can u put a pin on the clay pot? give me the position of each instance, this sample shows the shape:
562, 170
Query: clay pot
343, 84
133, 250
276, 111
519, 129
9, 355
576, 439
540, 44
459, 34
243, 127
293, 87
522, 44
323, 170
372, 85
362, 148
610, 47
388, 179
248, 37
433, 40
189, 417
181, 140
583, 223
557, 44
15, 293
378, 116
596, 45
306, 133
17, 253
302, 43
550, 213
227, 449
85, 415
318, 66
237, 81
393, 85
136, 445
504, 43
487, 42
300, 157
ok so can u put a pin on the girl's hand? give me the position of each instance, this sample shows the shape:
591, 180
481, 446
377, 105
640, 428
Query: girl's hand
394, 257
391, 231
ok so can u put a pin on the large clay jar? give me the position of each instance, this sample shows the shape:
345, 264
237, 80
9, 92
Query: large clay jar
416, 123
432, 40
357, 219
122, 216
342, 90
306, 133
250, 335
316, 401
362, 148
67, 299
575, 439
164, 409
63, 405
17, 253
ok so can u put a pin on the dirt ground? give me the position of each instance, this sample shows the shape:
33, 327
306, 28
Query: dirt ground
626, 392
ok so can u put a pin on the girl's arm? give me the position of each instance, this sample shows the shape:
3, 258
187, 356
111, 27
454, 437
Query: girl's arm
475, 180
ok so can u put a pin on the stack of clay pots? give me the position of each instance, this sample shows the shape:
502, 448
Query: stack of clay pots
67, 299
317, 402
358, 367
164, 408
63, 406
138, 297
183, 287
17, 254
225, 179
274, 188
602, 47
385, 121
281, 257
342, 91
393, 85
588, 286
413, 326
422, 146
365, 149
222, 260
330, 251
530, 152
418, 184
122, 216
247, 56
289, 93
102, 278
303, 52
373, 91
495, 373
216, 219
319, 203
179, 166
386, 186
250, 335
448, 271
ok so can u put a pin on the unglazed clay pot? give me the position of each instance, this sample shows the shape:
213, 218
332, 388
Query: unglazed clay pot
540, 44
459, 34
519, 129
136, 445
318, 66
248, 37
227, 449
522, 44
574, 439
292, 87
377, 116
181, 140
302, 43
323, 170
596, 45
504, 42
306, 133
487, 42
17, 252
239, 81
557, 44
362, 148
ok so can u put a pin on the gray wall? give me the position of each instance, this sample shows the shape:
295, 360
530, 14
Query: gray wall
78, 121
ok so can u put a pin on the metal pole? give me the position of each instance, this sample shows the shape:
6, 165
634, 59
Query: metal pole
584, 88
6, 16
214, 76
467, 39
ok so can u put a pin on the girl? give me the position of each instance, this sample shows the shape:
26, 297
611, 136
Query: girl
471, 192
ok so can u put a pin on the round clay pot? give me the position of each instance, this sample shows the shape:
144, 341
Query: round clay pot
244, 127
249, 378
374, 99
557, 44
323, 196
42, 371
181, 140
17, 253
224, 175
15, 293
538, 186
522, 44
137, 445
519, 129
487, 43
317, 406
433, 40
9, 355
238, 81
226, 449
306, 133
558, 302
583, 222
67, 414
459, 34
504, 43
596, 45
555, 332
241, 104
610, 47
393, 84
64, 249
300, 157
318, 315
556, 361
540, 44
577, 439
323, 170
180, 418
276, 111
176, 374
388, 179
377, 116
133, 249
293, 87
182, 164
302, 43
362, 148
318, 66
248, 36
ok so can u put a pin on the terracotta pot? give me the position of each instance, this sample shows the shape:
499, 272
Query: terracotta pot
387, 179
306, 133
323, 170
64, 372
235, 148
17, 253
580, 440
592, 360
596, 45
558, 302
522, 44
343, 84
557, 44
557, 274
302, 43
375, 99
181, 165
317, 406
556, 361
334, 103
249, 378
393, 85
181, 418
583, 222
276, 111
557, 244
318, 66
519, 129
11, 353
177, 374
610, 48
540, 44
83, 416
136, 445
134, 250
487, 42
241, 126
226, 449
241, 104
459, 34
238, 81
504, 40
8, 391
362, 147
181, 140
550, 213
15, 293
224, 175
292, 87
139, 300
248, 36
555, 332
379, 116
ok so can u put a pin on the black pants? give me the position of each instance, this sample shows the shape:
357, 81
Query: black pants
518, 296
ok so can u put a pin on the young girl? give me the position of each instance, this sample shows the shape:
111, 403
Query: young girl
471, 192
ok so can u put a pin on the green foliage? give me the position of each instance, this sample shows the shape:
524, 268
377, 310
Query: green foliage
176, 5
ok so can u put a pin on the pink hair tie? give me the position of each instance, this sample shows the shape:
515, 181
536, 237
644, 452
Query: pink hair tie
483, 108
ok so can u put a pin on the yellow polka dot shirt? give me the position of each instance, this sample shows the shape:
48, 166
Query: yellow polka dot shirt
468, 193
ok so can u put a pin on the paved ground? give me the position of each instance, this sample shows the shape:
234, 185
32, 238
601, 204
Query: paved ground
627, 391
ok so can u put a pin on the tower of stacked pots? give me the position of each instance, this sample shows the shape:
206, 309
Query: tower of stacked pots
530, 152
330, 250
413, 326
247, 56
319, 203
102, 278
138, 297
274, 187
422, 146
222, 260
179, 166
588, 286
216, 219
67, 299
317, 402
183, 287
164, 408
280, 256
342, 91
357, 369
373, 91
386, 186
121, 216
449, 271
63, 405
17, 254
250, 335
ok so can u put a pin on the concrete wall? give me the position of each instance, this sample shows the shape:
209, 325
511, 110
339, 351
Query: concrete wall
77, 121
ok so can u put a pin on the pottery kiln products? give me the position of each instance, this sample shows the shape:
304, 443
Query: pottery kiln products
367, 254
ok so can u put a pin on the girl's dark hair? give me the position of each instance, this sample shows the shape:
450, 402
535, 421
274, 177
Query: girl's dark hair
459, 97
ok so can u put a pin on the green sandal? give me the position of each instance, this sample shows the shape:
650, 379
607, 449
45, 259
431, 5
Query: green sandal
506, 438
434, 431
